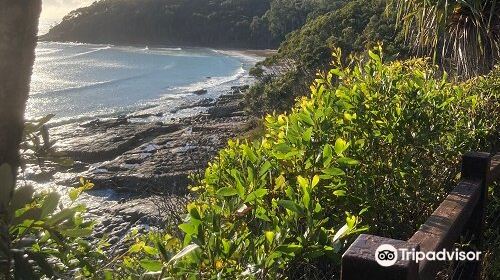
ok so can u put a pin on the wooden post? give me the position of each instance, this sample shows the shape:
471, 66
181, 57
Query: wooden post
476, 167
359, 261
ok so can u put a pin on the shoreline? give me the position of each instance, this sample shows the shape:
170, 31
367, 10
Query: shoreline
135, 164
173, 96
264, 53
147, 153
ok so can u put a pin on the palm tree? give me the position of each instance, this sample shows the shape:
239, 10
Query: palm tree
463, 34
18, 37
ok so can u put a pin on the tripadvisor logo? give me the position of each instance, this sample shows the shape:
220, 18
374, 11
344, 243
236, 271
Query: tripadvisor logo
388, 255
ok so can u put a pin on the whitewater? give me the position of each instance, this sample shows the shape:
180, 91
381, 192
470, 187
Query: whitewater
77, 82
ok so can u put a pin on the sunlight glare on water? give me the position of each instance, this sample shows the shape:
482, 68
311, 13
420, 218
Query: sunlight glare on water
81, 81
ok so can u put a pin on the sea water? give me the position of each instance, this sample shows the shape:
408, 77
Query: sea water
77, 82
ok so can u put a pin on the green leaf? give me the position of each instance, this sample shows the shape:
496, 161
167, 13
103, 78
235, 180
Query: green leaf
188, 228
306, 199
334, 171
256, 195
187, 250
339, 193
74, 193
62, 216
50, 204
79, 232
193, 211
327, 155
327, 151
340, 146
250, 154
150, 250
290, 205
283, 148
303, 182
315, 181
341, 233
289, 248
347, 161
270, 236
151, 265
307, 134
137, 247
374, 56
227, 191
264, 168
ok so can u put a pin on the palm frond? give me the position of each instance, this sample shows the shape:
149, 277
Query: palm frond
463, 34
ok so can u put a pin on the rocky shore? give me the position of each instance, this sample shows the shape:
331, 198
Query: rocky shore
139, 167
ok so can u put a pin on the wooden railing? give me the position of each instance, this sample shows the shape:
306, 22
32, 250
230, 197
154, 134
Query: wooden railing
460, 214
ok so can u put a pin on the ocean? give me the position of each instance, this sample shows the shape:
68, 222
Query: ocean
78, 82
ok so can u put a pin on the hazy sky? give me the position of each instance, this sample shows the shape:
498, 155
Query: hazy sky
55, 10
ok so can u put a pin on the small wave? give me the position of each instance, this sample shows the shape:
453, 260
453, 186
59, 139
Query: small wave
169, 49
212, 82
241, 55
47, 51
88, 52
89, 86
175, 96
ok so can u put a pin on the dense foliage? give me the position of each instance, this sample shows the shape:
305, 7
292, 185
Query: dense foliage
353, 27
382, 141
45, 238
39, 235
229, 23
464, 35
219, 23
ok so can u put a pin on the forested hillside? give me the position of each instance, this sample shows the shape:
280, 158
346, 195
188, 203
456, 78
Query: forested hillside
352, 27
217, 23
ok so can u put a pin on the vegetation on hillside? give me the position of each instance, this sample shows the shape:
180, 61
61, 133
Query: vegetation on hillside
381, 141
354, 27
233, 23
218, 23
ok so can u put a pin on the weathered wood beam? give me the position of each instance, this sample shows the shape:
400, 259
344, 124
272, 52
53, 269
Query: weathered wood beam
359, 262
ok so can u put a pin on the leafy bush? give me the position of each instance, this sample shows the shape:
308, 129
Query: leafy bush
379, 140
409, 130
375, 147
44, 238
39, 235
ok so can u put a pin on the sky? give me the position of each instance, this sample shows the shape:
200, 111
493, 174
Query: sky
55, 10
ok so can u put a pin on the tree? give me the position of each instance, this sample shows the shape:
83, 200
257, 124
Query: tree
18, 37
463, 34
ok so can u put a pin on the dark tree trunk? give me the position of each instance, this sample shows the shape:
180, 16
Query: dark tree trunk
18, 37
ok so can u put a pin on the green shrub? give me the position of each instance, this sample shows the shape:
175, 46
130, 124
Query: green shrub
44, 238
379, 140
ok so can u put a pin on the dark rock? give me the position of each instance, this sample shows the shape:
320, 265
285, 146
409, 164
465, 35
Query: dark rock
200, 91
206, 102
105, 142
145, 116
138, 159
